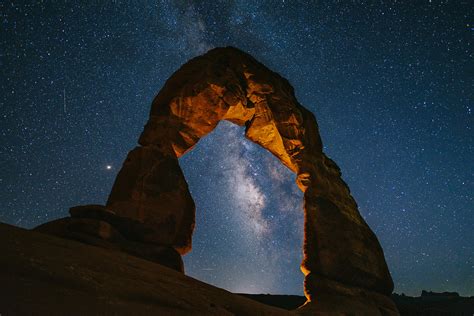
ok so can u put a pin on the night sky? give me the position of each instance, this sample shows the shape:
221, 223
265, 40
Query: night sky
391, 85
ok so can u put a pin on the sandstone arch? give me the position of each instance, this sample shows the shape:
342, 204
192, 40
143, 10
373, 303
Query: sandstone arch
343, 263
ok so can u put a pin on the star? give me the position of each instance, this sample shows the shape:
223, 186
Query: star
402, 166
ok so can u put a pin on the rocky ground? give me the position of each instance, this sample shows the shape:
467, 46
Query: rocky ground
45, 275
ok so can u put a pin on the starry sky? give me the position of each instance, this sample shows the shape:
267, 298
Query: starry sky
390, 82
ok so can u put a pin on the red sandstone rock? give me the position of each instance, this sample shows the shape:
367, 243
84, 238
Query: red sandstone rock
227, 84
130, 228
93, 225
152, 191
70, 227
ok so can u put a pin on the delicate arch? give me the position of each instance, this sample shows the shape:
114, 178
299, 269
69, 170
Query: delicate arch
341, 254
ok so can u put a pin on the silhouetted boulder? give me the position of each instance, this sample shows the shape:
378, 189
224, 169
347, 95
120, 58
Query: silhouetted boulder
97, 226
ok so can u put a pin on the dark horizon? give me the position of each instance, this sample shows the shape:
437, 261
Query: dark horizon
389, 85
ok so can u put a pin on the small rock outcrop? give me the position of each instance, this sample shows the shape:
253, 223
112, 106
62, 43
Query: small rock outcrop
150, 204
95, 225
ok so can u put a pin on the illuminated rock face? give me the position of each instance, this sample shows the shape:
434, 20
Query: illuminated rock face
343, 260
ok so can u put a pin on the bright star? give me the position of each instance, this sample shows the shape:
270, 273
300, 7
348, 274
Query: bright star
108, 167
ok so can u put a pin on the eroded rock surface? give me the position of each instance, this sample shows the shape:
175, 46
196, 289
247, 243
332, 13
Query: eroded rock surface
95, 225
45, 275
342, 256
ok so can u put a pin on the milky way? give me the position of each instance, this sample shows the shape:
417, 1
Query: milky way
251, 199
390, 84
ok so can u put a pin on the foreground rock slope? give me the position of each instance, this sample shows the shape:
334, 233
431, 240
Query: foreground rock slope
45, 275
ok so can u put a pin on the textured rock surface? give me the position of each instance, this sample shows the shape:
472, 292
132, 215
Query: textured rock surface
227, 84
330, 297
45, 275
151, 176
97, 226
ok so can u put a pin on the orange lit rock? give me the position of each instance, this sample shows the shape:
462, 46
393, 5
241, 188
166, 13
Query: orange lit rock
342, 256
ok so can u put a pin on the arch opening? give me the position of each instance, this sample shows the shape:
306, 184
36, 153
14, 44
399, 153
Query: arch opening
249, 216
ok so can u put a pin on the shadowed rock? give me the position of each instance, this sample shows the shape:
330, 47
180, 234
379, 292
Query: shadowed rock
97, 226
45, 275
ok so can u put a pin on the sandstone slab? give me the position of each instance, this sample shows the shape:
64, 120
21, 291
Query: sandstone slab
42, 274
95, 226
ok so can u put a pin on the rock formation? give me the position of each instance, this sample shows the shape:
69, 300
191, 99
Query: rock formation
97, 226
150, 204
342, 256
